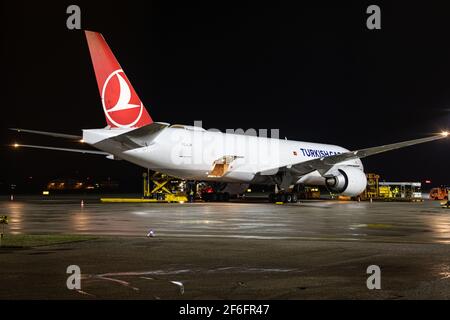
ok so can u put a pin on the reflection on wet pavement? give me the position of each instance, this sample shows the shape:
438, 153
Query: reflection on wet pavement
353, 221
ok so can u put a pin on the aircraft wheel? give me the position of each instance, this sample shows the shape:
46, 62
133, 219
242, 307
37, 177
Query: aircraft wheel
288, 198
294, 198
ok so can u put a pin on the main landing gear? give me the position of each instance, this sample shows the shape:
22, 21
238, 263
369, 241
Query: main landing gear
284, 197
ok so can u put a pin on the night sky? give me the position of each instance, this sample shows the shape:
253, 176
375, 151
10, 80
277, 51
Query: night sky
313, 71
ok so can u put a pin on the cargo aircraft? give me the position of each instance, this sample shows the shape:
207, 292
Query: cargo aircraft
228, 160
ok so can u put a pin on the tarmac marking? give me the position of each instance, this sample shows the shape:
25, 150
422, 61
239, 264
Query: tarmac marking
86, 293
179, 285
124, 283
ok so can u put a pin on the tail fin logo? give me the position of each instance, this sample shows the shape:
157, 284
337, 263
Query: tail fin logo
121, 104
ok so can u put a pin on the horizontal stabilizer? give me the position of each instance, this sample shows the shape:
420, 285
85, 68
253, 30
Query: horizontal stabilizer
51, 134
141, 137
16, 145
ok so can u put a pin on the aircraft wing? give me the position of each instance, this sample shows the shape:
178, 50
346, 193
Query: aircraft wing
324, 164
61, 149
51, 134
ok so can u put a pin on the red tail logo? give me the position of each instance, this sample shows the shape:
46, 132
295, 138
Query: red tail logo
121, 104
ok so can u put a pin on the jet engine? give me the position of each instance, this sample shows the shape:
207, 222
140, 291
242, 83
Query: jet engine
348, 181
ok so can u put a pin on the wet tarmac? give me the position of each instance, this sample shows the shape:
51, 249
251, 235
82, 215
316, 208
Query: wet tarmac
424, 222
309, 250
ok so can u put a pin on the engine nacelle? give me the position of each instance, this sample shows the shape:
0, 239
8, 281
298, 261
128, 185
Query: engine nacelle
348, 181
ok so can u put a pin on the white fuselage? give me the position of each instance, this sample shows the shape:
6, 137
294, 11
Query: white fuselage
190, 153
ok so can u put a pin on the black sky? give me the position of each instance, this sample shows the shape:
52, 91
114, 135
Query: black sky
312, 70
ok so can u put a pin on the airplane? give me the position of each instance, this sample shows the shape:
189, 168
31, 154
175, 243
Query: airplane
232, 161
